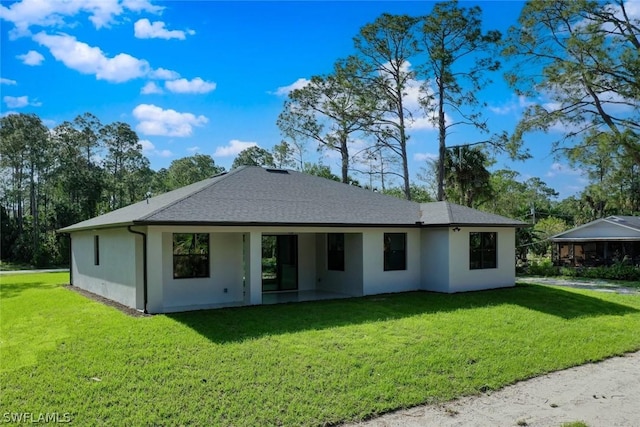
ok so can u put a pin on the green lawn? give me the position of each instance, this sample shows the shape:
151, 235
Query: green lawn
300, 364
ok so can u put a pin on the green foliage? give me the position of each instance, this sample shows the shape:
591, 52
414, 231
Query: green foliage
617, 271
185, 171
418, 194
316, 363
253, 156
544, 229
542, 267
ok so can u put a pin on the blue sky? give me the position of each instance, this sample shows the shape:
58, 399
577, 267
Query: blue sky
211, 77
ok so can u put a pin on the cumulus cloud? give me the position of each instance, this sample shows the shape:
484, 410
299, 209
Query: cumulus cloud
157, 121
31, 58
514, 105
425, 157
150, 149
562, 169
86, 59
151, 88
285, 90
164, 74
196, 85
102, 13
8, 82
193, 149
145, 29
233, 148
19, 102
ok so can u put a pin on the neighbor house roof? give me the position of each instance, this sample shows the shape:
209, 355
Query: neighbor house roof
615, 227
446, 213
258, 196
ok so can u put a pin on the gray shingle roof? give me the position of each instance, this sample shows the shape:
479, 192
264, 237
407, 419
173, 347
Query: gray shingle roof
253, 195
446, 213
630, 222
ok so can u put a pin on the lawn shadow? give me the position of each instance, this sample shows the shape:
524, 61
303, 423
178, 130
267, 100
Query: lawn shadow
243, 323
10, 290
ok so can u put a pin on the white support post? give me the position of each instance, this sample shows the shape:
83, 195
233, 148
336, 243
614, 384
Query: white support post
253, 267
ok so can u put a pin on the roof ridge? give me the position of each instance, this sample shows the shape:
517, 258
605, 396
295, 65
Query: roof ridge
449, 212
221, 176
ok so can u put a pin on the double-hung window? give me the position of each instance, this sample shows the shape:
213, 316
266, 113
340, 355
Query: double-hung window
395, 251
190, 255
482, 250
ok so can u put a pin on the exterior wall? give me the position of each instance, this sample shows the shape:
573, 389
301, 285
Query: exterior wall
224, 286
349, 281
306, 261
120, 269
462, 278
375, 279
434, 259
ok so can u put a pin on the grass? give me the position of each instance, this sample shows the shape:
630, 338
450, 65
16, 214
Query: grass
313, 363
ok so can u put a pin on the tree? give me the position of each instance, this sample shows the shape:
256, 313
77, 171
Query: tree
283, 155
467, 177
384, 48
418, 194
188, 170
321, 171
458, 57
583, 58
329, 110
253, 156
123, 158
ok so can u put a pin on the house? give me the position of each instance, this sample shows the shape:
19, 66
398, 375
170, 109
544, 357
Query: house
205, 245
601, 242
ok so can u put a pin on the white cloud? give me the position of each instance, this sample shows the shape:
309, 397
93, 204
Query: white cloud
91, 60
45, 13
19, 102
150, 149
150, 88
285, 90
562, 169
164, 74
31, 58
194, 149
196, 85
515, 104
233, 148
425, 157
8, 82
144, 29
157, 121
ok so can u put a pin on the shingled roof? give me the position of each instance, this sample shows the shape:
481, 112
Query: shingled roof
258, 196
446, 213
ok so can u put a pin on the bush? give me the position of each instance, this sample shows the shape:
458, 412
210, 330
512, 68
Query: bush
542, 267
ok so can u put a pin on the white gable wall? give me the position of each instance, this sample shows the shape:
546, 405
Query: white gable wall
462, 278
116, 275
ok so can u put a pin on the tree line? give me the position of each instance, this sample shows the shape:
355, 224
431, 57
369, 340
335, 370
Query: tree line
575, 66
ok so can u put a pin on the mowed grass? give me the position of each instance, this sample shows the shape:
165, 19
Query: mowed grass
312, 363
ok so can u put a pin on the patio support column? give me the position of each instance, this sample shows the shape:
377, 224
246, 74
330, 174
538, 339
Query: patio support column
253, 267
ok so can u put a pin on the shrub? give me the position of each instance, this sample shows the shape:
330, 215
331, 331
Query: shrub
543, 267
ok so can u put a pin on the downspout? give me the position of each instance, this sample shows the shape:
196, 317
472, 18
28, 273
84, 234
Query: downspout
144, 266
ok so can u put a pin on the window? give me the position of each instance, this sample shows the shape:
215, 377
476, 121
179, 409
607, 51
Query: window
96, 250
190, 255
335, 251
395, 251
482, 250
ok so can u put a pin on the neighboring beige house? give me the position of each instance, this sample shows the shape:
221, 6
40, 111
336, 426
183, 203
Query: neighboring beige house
204, 245
600, 242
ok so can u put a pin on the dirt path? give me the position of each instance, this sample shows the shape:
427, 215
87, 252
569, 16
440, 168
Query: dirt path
603, 394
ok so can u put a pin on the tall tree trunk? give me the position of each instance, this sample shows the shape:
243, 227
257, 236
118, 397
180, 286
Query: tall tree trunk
442, 134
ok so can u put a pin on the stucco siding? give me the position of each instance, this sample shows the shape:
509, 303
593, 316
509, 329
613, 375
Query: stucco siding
378, 281
462, 278
224, 284
115, 276
434, 259
306, 261
349, 281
